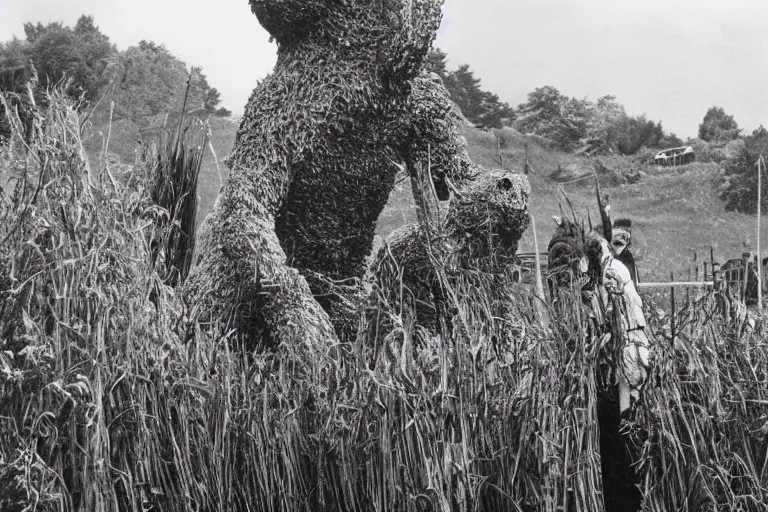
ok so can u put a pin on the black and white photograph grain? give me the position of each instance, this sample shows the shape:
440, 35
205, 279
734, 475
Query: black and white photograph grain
383, 256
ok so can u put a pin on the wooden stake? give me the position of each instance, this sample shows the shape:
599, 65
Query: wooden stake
744, 276
526, 167
539, 281
760, 165
498, 149
672, 303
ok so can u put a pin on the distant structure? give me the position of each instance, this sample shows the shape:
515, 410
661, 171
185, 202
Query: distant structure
740, 277
675, 156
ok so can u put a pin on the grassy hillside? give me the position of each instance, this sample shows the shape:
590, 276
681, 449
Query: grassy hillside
674, 211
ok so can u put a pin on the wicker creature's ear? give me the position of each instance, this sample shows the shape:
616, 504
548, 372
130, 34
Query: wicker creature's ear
558, 220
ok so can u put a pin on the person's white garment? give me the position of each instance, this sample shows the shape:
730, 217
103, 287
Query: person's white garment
636, 352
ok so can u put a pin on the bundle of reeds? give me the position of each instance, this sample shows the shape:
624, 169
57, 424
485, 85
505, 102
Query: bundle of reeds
703, 429
172, 163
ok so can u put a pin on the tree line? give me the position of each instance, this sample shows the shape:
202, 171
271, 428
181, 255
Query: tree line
603, 127
571, 124
144, 81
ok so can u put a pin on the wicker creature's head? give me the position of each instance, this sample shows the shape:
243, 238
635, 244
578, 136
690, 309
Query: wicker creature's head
490, 214
397, 28
291, 19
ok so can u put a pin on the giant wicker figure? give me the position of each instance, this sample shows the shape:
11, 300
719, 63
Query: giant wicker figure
314, 162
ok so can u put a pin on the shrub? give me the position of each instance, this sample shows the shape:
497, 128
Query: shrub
738, 180
717, 126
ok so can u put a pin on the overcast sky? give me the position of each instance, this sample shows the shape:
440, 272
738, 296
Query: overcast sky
669, 59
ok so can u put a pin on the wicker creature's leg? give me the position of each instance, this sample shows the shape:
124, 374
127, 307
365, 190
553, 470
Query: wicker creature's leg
242, 278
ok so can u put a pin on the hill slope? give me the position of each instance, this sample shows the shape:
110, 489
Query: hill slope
674, 211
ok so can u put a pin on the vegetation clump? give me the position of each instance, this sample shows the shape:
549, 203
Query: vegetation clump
738, 178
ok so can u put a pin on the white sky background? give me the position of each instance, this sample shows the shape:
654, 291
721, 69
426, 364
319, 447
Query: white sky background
669, 59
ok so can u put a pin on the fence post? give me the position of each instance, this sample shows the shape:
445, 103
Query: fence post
543, 316
672, 303
760, 165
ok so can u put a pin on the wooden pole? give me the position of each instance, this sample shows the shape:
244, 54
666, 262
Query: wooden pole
744, 276
693, 284
539, 281
498, 149
527, 166
760, 164
697, 274
688, 290
672, 303
715, 267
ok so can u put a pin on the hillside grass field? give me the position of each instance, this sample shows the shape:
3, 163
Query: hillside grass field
675, 211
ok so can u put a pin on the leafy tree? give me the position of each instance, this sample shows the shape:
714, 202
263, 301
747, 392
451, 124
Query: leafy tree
16, 71
154, 82
481, 107
13, 65
95, 57
574, 121
602, 133
717, 126
151, 79
550, 114
739, 186
541, 111
670, 140
82, 54
633, 133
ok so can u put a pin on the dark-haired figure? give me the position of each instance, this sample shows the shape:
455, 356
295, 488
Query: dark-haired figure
617, 283
622, 246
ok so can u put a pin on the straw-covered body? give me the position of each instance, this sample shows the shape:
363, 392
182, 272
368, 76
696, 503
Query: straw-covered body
312, 166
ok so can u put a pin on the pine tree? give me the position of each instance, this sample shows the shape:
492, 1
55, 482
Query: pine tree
482, 108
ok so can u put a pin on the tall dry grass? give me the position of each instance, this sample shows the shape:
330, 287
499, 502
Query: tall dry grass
111, 401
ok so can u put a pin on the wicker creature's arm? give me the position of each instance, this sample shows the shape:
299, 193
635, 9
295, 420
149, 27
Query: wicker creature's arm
432, 134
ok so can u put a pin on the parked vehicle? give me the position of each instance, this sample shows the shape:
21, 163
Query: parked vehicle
675, 156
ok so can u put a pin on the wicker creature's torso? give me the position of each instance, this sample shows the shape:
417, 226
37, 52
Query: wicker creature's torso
345, 101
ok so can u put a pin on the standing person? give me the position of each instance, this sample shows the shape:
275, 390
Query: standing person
617, 283
624, 307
